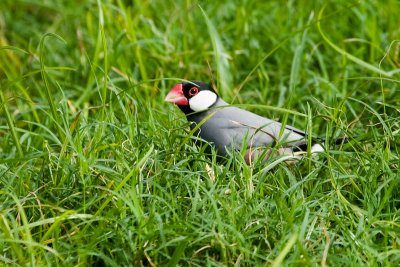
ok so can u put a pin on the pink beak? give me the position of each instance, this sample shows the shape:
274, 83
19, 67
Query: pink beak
176, 96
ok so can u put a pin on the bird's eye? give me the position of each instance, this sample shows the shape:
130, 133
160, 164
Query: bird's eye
193, 91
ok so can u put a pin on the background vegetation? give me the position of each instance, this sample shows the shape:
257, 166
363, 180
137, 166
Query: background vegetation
96, 169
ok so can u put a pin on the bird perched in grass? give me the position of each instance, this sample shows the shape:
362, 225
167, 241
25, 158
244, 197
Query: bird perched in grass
227, 127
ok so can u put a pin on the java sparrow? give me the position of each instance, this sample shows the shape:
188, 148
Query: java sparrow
227, 127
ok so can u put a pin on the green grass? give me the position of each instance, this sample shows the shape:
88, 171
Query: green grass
95, 168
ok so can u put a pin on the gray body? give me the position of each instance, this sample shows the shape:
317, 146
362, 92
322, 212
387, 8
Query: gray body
227, 127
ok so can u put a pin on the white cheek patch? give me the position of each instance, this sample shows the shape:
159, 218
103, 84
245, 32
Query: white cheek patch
202, 101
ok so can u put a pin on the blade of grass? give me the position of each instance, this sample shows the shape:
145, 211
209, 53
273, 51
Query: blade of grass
133, 172
279, 260
346, 54
10, 123
221, 57
48, 92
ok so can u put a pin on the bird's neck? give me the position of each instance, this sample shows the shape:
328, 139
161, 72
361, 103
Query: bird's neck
198, 116
219, 103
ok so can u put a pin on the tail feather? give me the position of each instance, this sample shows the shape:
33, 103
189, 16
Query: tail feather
316, 145
297, 151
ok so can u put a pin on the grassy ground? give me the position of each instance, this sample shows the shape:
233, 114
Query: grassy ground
96, 169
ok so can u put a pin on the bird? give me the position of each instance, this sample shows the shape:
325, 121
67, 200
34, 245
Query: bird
229, 128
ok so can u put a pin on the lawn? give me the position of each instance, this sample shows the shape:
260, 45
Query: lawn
97, 170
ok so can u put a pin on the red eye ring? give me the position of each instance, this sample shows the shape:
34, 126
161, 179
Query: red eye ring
193, 91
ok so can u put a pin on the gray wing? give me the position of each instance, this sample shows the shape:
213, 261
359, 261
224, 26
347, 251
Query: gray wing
229, 126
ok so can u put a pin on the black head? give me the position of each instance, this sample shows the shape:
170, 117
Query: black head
193, 96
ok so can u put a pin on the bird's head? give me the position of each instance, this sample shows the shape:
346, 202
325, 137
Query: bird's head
193, 96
